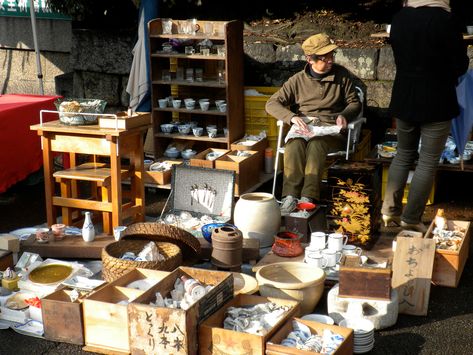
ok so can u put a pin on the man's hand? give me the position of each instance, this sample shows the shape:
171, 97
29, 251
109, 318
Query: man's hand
341, 121
299, 122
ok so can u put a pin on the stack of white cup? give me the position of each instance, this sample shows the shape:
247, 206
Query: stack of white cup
326, 251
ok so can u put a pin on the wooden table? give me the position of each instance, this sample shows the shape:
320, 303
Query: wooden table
92, 140
74, 247
20, 154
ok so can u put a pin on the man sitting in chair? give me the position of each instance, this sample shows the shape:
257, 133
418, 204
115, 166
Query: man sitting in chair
321, 98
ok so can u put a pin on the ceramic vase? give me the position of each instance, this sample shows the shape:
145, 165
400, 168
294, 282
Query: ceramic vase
227, 246
88, 230
257, 216
287, 244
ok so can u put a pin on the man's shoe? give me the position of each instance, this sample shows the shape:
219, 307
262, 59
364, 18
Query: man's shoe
288, 204
419, 227
391, 219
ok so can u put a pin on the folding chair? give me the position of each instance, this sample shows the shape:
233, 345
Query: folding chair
354, 131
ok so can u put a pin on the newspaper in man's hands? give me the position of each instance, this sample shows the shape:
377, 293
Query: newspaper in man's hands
313, 131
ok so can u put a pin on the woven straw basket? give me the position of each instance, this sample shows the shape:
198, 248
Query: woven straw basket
159, 232
113, 267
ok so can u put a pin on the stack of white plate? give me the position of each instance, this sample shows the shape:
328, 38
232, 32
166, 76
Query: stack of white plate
363, 334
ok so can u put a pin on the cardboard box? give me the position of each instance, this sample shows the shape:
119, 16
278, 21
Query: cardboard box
247, 169
214, 339
449, 265
199, 159
364, 281
161, 330
62, 318
258, 146
273, 346
105, 319
9, 242
160, 177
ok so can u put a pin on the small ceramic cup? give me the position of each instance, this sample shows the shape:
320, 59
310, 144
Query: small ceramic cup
163, 103
331, 256
42, 235
118, 232
212, 132
350, 249
204, 105
58, 231
198, 131
316, 259
176, 103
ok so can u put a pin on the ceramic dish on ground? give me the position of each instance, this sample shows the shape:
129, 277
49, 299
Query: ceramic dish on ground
24, 233
50, 274
321, 318
18, 301
31, 328
244, 284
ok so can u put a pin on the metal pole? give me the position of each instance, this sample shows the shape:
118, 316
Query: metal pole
36, 48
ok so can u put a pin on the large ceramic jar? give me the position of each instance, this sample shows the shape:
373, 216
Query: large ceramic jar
257, 216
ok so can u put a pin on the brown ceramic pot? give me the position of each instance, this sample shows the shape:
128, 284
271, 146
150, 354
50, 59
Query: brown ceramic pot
227, 245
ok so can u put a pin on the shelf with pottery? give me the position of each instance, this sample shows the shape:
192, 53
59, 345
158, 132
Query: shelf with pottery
219, 63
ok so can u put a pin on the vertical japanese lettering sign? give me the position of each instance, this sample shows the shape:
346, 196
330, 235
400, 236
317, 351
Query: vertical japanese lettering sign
412, 274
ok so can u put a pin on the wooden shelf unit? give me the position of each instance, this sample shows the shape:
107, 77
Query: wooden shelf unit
226, 33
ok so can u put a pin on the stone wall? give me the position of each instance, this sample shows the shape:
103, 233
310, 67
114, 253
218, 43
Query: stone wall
85, 63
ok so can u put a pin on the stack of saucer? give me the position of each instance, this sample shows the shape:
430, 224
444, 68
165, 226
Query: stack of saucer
363, 334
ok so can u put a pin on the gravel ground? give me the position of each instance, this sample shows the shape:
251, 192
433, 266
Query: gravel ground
447, 328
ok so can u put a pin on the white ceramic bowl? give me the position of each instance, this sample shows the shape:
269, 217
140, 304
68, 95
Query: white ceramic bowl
188, 153
171, 153
184, 129
292, 280
167, 127
320, 318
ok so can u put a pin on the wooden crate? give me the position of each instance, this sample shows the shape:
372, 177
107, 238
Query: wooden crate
363, 281
163, 330
259, 146
246, 169
106, 321
62, 318
273, 346
214, 339
448, 265
200, 161
160, 177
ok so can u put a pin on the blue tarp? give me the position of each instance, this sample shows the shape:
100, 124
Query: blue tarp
462, 125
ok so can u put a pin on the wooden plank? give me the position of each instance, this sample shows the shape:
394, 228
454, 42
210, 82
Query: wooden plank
69, 247
412, 273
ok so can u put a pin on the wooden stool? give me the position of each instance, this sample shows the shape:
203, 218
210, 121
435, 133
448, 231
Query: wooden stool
99, 200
